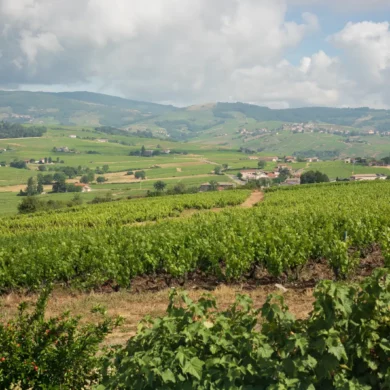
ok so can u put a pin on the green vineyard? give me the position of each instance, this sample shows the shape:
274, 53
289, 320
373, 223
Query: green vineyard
336, 223
120, 213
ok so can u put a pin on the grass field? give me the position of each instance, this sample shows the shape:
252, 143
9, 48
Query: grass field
194, 166
340, 169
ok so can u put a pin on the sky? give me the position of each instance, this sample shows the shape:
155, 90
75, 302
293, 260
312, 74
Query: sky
276, 53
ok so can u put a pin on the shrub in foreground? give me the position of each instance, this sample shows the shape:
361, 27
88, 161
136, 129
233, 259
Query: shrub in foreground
54, 353
344, 344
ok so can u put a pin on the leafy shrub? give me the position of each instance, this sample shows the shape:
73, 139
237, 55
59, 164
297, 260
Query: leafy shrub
344, 344
59, 352
31, 204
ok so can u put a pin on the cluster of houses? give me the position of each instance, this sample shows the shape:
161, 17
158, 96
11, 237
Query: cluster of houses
286, 159
149, 153
247, 133
255, 174
312, 128
62, 149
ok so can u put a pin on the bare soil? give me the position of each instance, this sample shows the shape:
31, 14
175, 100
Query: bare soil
133, 307
254, 198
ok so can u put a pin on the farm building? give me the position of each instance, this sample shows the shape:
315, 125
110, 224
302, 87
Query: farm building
269, 159
253, 174
86, 187
220, 187
289, 159
368, 176
73, 136
312, 159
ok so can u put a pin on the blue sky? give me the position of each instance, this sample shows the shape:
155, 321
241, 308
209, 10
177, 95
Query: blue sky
331, 21
183, 52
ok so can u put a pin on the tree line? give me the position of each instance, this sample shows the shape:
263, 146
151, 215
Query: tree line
16, 130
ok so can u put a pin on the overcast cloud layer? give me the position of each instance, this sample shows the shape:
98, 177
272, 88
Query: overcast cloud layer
192, 51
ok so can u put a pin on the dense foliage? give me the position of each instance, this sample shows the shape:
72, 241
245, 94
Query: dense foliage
312, 177
343, 344
15, 130
32, 204
92, 246
118, 213
51, 353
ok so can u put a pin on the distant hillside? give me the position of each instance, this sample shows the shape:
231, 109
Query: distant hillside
202, 121
359, 117
75, 108
114, 101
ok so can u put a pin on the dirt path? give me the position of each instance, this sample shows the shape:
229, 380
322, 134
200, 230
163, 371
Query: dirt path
254, 198
133, 306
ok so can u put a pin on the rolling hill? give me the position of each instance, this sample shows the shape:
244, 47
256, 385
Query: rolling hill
335, 132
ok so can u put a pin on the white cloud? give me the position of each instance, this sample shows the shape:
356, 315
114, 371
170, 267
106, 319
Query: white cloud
345, 5
189, 51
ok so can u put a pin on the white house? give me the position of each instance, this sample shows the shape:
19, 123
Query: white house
253, 174
368, 176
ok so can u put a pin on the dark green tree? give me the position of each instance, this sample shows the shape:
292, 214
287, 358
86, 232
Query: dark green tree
140, 175
218, 170
312, 177
32, 186
159, 185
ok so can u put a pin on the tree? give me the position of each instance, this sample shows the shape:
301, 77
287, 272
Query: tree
261, 164
91, 176
39, 187
143, 150
105, 168
179, 188
49, 160
59, 176
218, 170
29, 205
213, 185
225, 166
239, 175
47, 179
159, 185
311, 177
84, 179
59, 186
32, 186
42, 168
101, 179
140, 175
18, 164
